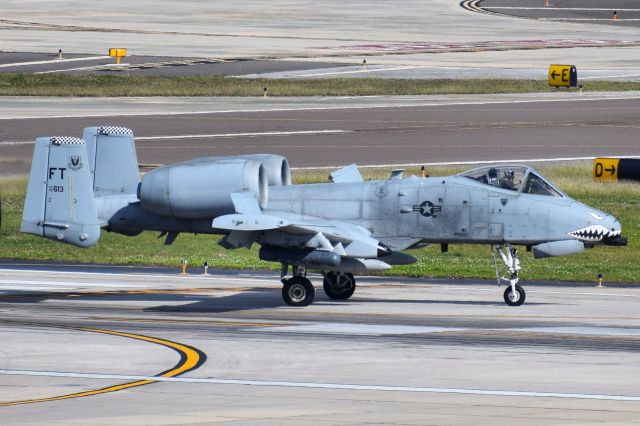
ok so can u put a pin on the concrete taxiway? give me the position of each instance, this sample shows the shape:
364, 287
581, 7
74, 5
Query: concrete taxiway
438, 33
147, 346
328, 132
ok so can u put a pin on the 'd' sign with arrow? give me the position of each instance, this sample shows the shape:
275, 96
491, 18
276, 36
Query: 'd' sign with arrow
563, 75
616, 168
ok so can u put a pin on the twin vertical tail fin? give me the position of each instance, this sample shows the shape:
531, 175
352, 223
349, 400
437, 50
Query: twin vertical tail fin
112, 160
60, 204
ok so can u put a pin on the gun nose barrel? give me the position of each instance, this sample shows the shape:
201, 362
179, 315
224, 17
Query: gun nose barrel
615, 238
383, 250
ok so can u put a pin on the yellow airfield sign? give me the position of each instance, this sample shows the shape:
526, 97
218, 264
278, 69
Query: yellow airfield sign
563, 76
606, 168
117, 52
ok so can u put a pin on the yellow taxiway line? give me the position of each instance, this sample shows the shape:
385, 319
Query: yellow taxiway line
190, 359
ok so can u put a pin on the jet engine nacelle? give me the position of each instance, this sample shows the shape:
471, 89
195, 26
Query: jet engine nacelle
276, 166
557, 248
202, 188
278, 172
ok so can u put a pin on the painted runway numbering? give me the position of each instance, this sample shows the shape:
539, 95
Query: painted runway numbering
190, 359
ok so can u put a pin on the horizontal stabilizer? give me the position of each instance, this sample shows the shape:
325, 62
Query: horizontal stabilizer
248, 222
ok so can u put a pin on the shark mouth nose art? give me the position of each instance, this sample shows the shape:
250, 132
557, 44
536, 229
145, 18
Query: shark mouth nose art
594, 233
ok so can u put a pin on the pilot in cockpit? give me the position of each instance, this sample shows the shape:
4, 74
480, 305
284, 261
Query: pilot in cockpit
507, 181
492, 177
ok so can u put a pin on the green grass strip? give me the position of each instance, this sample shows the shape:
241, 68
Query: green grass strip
123, 85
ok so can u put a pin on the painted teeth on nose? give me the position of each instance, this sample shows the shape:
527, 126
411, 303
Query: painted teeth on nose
593, 233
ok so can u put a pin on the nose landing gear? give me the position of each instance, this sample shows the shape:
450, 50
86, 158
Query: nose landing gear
514, 295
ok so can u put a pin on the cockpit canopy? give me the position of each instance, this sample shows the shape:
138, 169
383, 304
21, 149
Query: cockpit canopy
514, 178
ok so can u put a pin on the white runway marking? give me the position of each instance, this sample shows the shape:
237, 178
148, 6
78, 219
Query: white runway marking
583, 331
466, 163
609, 76
358, 71
172, 278
248, 134
28, 284
13, 143
54, 61
94, 67
584, 19
360, 329
311, 385
218, 136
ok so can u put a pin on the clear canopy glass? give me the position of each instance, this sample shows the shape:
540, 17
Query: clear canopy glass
513, 178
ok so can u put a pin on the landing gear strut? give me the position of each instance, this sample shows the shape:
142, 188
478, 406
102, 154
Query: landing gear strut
338, 285
298, 290
514, 295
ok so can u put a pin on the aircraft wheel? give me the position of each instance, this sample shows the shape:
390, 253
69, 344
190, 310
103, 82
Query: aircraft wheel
514, 299
298, 291
339, 286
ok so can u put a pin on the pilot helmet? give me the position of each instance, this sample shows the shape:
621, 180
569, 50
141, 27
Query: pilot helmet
509, 174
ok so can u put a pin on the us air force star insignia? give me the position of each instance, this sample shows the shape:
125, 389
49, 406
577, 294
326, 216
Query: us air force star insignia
74, 162
427, 208
381, 191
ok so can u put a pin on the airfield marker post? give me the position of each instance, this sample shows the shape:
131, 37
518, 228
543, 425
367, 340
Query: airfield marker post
615, 15
206, 268
118, 53
599, 281
183, 266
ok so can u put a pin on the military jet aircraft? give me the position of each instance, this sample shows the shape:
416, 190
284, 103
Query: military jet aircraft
347, 226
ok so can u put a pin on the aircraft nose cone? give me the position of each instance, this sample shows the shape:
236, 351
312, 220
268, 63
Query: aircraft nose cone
598, 227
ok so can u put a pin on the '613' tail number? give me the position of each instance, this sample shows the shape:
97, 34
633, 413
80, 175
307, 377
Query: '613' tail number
56, 188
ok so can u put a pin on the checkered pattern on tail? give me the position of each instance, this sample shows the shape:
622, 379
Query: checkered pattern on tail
114, 130
66, 140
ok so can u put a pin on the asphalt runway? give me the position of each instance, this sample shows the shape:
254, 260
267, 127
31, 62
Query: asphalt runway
368, 131
146, 346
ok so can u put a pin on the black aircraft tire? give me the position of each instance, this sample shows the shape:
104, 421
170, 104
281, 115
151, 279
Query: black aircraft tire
339, 286
298, 291
515, 302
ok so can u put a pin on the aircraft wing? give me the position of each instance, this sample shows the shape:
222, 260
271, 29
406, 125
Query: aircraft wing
345, 239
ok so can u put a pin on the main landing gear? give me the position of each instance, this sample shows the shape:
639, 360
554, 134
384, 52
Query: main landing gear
298, 290
514, 295
339, 285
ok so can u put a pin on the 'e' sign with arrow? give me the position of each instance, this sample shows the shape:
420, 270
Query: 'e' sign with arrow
563, 75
